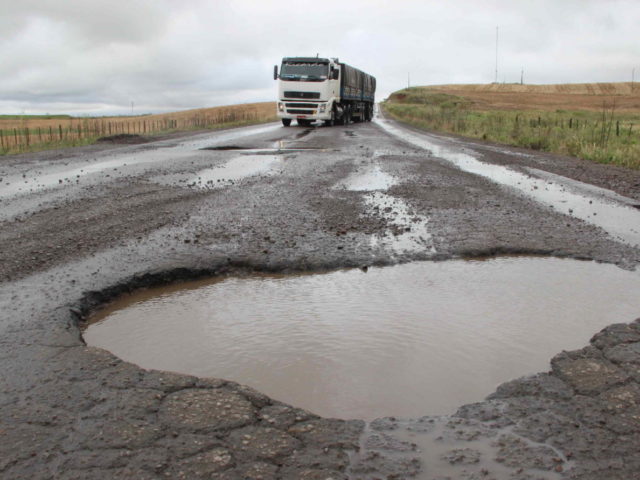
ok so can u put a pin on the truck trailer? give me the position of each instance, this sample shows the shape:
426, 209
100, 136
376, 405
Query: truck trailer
323, 89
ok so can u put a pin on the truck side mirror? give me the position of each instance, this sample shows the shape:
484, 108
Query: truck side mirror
275, 72
335, 74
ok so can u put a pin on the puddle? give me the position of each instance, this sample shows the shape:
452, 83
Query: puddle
452, 448
224, 147
235, 169
620, 219
371, 179
35, 180
266, 151
200, 143
408, 340
408, 233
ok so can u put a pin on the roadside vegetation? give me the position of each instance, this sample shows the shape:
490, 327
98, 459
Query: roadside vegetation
601, 127
28, 133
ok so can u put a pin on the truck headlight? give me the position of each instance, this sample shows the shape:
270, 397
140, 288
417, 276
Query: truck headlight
281, 107
323, 107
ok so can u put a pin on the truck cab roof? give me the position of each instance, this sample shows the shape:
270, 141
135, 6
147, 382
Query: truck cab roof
306, 59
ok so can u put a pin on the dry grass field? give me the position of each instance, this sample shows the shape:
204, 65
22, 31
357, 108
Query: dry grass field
29, 133
568, 96
595, 121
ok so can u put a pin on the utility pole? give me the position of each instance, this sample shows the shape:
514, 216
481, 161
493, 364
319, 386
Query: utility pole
132, 107
633, 75
496, 79
522, 77
408, 79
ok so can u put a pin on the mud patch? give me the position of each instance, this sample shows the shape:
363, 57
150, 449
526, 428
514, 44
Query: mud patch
124, 139
407, 340
225, 147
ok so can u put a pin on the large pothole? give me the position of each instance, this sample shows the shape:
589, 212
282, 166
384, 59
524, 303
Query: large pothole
407, 340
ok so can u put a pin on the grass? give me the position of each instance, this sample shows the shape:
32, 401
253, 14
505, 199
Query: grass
20, 134
609, 135
33, 117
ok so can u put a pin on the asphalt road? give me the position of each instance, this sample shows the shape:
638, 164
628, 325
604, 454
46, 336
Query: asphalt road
78, 227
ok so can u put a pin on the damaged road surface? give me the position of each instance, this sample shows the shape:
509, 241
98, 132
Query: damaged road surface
80, 227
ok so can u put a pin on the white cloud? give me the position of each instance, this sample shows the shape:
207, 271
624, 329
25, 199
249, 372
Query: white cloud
80, 55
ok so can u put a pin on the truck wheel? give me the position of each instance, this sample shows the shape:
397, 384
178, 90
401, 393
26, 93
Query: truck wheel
344, 119
286, 122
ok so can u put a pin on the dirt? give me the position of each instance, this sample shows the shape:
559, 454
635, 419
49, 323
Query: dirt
68, 411
124, 139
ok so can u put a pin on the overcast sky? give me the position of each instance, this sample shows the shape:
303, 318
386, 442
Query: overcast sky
97, 56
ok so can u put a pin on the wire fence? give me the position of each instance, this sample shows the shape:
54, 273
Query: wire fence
24, 134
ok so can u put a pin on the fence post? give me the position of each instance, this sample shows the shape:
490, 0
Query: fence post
60, 131
1, 140
617, 128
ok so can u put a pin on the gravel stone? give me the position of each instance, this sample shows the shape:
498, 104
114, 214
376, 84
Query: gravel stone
200, 409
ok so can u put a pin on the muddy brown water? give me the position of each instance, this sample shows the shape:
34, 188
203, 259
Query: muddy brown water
407, 340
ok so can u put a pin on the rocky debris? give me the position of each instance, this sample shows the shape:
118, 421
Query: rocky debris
206, 410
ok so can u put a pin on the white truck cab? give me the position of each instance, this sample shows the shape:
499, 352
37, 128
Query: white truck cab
313, 88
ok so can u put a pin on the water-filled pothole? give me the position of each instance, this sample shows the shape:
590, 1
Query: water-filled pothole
236, 169
407, 340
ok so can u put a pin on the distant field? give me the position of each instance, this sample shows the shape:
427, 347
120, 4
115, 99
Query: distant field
32, 117
20, 133
568, 96
595, 121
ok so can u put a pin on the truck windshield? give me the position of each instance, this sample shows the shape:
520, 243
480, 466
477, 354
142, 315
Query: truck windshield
304, 71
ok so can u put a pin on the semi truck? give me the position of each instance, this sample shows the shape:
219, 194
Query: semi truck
323, 89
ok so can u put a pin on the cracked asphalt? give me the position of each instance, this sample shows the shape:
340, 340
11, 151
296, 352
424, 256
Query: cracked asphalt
79, 227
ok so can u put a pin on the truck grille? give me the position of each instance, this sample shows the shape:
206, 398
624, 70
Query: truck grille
302, 94
301, 112
301, 105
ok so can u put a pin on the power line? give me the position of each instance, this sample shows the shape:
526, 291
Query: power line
496, 79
